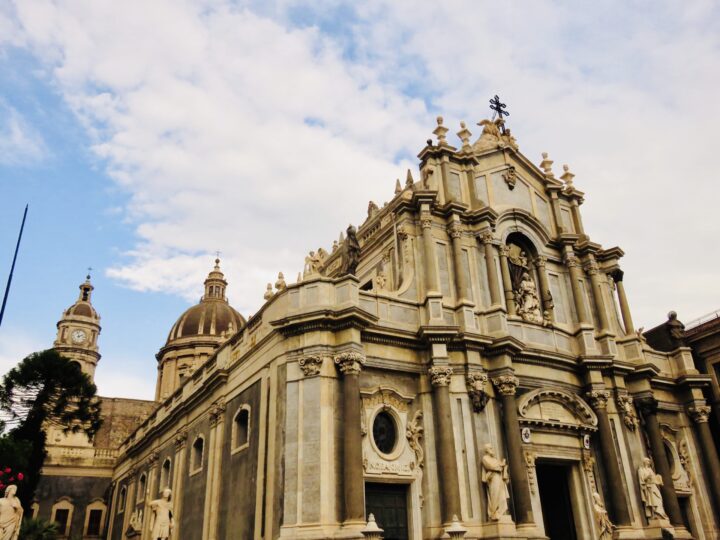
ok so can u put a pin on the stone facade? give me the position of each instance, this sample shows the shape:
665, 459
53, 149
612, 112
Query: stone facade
478, 315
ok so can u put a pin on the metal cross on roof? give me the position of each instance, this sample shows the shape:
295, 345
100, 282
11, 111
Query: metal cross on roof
89, 271
498, 107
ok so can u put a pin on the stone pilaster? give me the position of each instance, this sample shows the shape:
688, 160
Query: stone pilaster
618, 506
217, 427
572, 262
648, 407
350, 364
700, 415
507, 280
506, 386
150, 494
445, 442
461, 286
545, 295
487, 239
431, 280
594, 273
179, 475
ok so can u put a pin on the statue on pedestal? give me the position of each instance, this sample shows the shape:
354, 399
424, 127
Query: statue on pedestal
650, 492
527, 300
605, 526
495, 476
11, 513
352, 252
161, 521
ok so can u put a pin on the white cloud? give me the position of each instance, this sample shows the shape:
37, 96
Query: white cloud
20, 143
124, 383
235, 128
15, 345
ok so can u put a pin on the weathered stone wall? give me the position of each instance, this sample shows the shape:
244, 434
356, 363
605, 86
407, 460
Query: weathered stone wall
120, 418
194, 491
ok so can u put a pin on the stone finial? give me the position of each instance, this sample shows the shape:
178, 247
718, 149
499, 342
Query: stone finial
371, 530
341, 238
335, 246
456, 531
398, 187
546, 165
268, 292
409, 182
440, 131
567, 176
280, 283
465, 135
299, 277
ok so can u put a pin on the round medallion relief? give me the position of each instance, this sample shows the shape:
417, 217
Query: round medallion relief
384, 432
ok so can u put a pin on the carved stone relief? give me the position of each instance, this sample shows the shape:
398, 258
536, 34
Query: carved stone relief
556, 408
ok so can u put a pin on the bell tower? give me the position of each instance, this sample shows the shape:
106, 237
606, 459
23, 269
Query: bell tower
78, 331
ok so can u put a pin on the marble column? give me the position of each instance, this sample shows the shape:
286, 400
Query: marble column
487, 239
617, 276
545, 295
179, 473
575, 278
445, 442
648, 407
431, 281
507, 280
700, 415
461, 285
350, 364
217, 422
507, 386
593, 272
618, 506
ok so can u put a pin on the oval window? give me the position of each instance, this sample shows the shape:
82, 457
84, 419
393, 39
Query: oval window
384, 432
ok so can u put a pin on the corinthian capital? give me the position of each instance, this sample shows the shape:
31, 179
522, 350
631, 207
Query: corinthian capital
486, 238
455, 230
699, 414
598, 398
440, 375
310, 365
506, 384
426, 222
571, 261
350, 362
592, 268
504, 250
540, 261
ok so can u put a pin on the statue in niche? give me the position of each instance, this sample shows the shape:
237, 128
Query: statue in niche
161, 521
11, 513
650, 491
528, 303
495, 477
605, 526
352, 252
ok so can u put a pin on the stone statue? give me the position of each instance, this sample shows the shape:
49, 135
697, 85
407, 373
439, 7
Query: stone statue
161, 521
650, 492
676, 330
135, 522
11, 513
352, 252
527, 300
495, 476
605, 526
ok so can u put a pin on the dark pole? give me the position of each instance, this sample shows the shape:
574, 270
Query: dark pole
12, 268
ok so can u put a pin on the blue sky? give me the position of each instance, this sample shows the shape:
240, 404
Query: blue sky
147, 136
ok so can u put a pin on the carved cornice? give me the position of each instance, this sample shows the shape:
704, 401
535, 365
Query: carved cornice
506, 384
440, 375
310, 365
699, 414
598, 398
350, 362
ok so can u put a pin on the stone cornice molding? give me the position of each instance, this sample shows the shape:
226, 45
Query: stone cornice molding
506, 384
350, 362
440, 375
311, 365
699, 413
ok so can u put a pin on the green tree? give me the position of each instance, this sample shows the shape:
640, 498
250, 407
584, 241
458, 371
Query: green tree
38, 529
45, 390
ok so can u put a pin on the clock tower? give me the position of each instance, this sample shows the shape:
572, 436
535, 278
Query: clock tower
78, 331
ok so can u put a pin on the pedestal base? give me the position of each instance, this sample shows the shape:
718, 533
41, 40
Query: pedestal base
501, 529
661, 529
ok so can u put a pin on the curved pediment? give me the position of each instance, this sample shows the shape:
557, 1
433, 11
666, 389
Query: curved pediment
556, 408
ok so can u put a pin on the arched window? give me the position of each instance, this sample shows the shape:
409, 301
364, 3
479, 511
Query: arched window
241, 429
196, 457
142, 487
94, 518
122, 499
61, 514
165, 475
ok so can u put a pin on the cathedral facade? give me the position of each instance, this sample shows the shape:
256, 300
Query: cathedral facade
463, 364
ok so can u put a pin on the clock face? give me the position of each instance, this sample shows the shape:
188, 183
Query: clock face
79, 336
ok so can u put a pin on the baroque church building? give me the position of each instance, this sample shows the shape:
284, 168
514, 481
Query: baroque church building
463, 364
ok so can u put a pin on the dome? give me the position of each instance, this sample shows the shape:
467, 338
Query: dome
213, 317
83, 309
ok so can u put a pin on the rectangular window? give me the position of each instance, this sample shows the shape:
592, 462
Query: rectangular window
61, 518
94, 522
